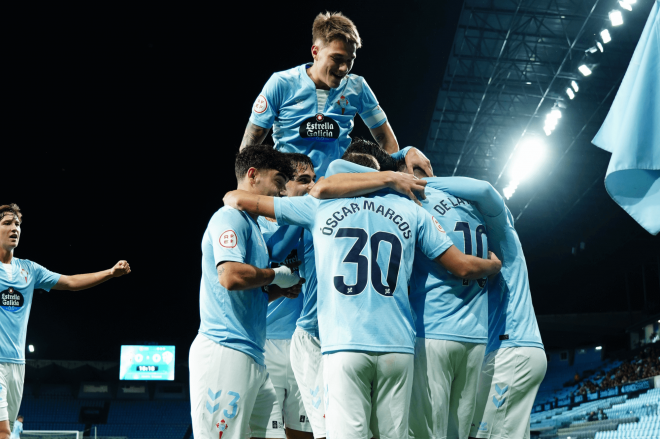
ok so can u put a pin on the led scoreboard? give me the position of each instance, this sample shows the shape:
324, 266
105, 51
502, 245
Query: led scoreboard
147, 363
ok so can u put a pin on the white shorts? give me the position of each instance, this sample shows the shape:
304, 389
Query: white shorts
307, 365
231, 395
278, 365
12, 376
509, 380
444, 388
367, 391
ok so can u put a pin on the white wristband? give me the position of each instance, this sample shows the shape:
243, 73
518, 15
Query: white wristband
284, 277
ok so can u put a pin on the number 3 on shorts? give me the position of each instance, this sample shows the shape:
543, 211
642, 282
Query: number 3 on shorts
233, 404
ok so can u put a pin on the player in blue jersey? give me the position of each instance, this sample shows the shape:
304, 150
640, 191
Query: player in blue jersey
515, 362
312, 107
18, 428
231, 393
365, 323
285, 247
18, 280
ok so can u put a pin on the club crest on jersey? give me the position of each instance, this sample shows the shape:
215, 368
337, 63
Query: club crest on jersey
24, 274
228, 239
260, 105
11, 300
221, 427
319, 128
343, 103
437, 225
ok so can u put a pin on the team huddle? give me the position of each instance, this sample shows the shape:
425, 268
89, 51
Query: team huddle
346, 291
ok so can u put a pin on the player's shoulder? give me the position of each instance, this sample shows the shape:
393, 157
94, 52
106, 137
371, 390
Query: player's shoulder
27, 264
289, 77
267, 226
229, 215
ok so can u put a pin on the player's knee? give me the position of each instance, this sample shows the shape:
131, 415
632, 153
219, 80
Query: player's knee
295, 434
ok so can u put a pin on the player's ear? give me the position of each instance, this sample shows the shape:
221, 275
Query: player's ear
252, 174
315, 51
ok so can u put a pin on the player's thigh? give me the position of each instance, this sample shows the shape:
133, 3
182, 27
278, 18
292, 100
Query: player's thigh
12, 377
463, 393
484, 385
224, 384
348, 380
432, 377
391, 392
266, 406
295, 415
307, 366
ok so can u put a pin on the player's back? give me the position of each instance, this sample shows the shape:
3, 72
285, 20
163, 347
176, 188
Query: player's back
365, 247
236, 319
511, 318
447, 307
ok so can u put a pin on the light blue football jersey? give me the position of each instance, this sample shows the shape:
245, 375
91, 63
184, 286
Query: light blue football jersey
289, 104
365, 246
16, 295
445, 306
235, 319
283, 312
511, 318
308, 320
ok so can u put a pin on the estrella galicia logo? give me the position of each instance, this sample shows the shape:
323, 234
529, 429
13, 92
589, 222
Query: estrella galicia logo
319, 128
12, 300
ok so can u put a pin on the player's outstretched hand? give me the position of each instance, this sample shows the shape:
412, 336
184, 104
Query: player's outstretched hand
121, 268
416, 159
408, 184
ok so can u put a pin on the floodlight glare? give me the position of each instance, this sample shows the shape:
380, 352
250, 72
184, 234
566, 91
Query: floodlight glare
31, 348
625, 6
616, 18
600, 46
569, 92
593, 49
575, 86
598, 348
630, 2
529, 156
586, 71
605, 35
556, 113
510, 189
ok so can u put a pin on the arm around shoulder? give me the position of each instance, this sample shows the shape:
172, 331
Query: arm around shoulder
466, 266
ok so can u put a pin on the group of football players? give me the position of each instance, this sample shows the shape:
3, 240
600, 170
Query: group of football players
347, 292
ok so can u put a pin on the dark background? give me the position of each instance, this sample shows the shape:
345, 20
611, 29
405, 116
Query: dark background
123, 127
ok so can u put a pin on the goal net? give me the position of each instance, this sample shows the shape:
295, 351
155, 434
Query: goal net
51, 434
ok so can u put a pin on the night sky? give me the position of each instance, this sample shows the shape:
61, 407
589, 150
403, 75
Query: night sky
124, 123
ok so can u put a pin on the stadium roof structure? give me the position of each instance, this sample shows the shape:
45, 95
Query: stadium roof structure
511, 63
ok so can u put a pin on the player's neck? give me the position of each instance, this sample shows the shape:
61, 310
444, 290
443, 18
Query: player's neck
6, 255
311, 72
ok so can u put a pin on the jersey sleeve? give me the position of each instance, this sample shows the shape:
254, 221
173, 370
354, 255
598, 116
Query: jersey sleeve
229, 232
401, 154
369, 110
296, 211
489, 201
431, 238
266, 106
341, 166
44, 278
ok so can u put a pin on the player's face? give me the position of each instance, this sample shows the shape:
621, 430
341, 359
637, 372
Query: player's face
270, 182
302, 183
10, 231
333, 61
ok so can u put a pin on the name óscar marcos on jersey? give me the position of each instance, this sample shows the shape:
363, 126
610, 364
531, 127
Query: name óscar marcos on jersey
368, 206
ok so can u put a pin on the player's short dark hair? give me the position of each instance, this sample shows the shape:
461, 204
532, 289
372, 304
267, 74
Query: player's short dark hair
299, 161
20, 416
262, 157
330, 26
362, 146
362, 159
13, 208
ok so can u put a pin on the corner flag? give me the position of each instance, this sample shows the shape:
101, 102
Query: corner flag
631, 132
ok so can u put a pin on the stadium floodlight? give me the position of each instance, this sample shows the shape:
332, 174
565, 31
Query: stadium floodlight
616, 18
575, 86
605, 35
552, 118
569, 92
625, 5
510, 189
586, 71
529, 156
600, 46
598, 348
592, 49
31, 348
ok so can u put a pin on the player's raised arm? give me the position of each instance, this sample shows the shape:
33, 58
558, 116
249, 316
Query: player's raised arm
385, 137
254, 135
468, 267
79, 282
260, 205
